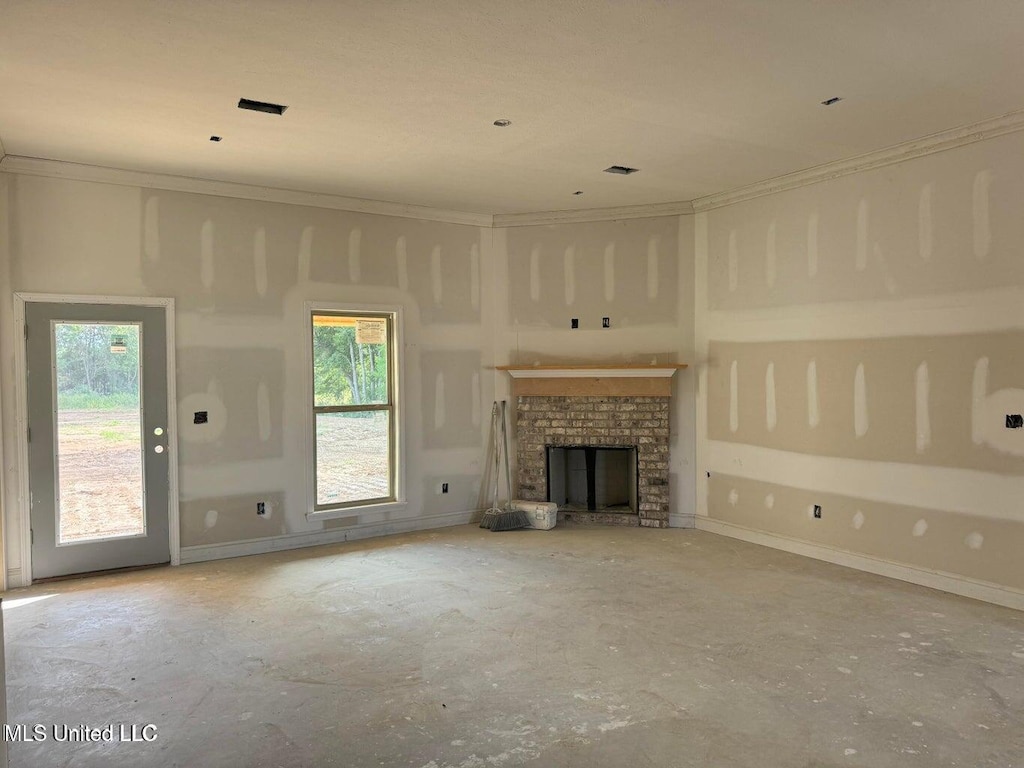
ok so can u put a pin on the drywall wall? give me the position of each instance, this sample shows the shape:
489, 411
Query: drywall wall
861, 347
5, 291
639, 274
240, 272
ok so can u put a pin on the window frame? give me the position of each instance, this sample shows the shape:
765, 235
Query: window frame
393, 314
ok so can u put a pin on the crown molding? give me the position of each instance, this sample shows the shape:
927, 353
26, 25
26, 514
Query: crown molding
541, 218
32, 166
898, 153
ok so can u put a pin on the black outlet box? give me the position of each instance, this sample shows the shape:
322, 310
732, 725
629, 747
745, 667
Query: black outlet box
200, 417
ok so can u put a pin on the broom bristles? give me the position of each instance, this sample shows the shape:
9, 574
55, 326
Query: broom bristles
510, 520
487, 521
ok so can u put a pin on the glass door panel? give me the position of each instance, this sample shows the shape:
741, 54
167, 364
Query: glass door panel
98, 422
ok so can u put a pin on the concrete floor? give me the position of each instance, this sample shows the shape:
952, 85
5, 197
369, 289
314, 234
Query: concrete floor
581, 646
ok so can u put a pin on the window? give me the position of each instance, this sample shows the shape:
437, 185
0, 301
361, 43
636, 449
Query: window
354, 408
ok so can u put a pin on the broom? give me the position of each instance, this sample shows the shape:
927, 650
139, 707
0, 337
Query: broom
492, 514
502, 518
509, 519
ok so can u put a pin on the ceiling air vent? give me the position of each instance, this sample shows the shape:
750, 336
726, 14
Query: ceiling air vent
262, 106
622, 170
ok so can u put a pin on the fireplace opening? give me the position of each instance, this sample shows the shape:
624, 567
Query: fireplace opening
593, 478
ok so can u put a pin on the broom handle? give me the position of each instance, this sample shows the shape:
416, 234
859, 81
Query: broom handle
497, 457
504, 441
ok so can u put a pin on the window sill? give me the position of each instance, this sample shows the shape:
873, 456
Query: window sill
334, 514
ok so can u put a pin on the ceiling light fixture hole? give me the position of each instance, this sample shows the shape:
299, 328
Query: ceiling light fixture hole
503, 122
578, 192
215, 138
831, 101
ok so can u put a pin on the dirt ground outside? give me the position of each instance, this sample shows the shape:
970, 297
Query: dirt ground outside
100, 471
100, 468
352, 457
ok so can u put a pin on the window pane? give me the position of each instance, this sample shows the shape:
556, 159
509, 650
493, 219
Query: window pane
352, 456
99, 432
350, 360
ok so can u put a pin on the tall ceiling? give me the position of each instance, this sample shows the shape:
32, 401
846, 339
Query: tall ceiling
395, 101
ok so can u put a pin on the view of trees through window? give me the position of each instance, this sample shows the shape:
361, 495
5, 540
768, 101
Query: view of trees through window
90, 374
346, 372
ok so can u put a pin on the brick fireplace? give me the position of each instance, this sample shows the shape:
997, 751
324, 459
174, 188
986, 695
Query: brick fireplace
596, 407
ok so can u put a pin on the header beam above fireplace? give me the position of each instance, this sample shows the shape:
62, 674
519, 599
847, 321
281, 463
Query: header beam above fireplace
663, 370
592, 380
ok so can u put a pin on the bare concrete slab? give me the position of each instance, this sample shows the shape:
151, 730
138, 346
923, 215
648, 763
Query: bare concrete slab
462, 648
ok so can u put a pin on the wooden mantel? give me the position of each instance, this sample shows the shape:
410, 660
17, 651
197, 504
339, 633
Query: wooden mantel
592, 380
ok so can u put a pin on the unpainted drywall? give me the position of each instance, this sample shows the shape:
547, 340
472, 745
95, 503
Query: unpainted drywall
977, 547
937, 400
452, 404
862, 343
231, 518
241, 392
463, 492
8, 447
262, 250
627, 270
940, 224
240, 272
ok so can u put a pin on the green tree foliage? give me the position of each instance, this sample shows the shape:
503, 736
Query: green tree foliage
89, 374
347, 373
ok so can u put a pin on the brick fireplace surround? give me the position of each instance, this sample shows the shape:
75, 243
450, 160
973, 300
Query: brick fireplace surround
641, 421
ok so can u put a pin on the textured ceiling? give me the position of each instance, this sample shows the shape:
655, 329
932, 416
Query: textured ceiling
394, 100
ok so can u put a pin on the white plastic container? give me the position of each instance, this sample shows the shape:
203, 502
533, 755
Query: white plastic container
543, 514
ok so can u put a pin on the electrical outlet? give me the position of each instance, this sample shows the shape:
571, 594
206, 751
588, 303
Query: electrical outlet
200, 417
817, 512
444, 487
606, 322
261, 508
574, 323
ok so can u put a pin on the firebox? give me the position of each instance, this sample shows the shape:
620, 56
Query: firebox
593, 478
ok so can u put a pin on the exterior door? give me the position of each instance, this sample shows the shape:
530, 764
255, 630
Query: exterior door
97, 420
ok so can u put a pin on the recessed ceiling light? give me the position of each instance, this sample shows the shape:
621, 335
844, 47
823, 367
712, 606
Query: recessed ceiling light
262, 106
215, 138
623, 170
503, 122
833, 100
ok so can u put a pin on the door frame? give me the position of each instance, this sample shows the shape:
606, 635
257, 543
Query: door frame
21, 433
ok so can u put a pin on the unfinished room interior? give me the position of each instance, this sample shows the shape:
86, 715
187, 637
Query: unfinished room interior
585, 383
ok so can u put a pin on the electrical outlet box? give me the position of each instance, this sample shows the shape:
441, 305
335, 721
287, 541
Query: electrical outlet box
200, 417
1014, 421
574, 323
444, 487
817, 512
261, 508
606, 322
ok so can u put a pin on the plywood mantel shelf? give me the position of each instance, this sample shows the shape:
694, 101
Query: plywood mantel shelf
592, 380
